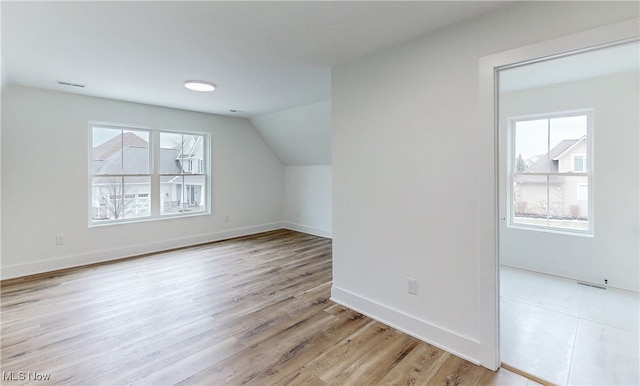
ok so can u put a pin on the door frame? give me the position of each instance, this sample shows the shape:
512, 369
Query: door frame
611, 34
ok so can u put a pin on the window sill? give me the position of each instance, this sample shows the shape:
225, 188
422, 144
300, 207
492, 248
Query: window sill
148, 219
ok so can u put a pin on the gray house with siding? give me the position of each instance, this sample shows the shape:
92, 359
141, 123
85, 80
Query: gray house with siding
568, 194
178, 192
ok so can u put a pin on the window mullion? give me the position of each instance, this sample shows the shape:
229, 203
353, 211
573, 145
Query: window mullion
548, 171
548, 200
154, 152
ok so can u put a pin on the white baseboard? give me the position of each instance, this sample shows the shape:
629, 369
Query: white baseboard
41, 266
454, 343
307, 229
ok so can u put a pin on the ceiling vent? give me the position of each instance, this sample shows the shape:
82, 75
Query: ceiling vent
592, 285
71, 84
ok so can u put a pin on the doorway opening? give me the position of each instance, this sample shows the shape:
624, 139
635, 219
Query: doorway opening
569, 207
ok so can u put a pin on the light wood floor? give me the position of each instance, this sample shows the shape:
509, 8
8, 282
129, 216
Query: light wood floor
252, 310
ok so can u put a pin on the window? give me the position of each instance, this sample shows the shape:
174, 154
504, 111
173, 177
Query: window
182, 187
578, 163
139, 174
550, 173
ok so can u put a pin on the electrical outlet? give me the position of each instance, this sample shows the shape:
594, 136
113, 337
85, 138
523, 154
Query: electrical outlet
59, 240
226, 218
412, 286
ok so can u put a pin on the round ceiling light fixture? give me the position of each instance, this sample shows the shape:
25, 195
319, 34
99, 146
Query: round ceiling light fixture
199, 85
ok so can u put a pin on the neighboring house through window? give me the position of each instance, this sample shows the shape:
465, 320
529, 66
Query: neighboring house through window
550, 172
181, 187
144, 174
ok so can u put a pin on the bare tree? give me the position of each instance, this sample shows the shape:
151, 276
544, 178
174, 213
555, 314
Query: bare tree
521, 166
114, 197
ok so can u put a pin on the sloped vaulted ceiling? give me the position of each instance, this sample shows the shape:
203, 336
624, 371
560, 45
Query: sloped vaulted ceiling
299, 136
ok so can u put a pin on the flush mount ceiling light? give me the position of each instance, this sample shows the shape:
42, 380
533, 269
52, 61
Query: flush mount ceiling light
199, 85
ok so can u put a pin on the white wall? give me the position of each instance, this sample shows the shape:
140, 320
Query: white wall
3, 86
45, 182
612, 253
301, 137
413, 175
307, 199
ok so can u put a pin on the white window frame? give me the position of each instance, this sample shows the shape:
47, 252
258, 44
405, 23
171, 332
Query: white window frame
189, 172
588, 164
154, 159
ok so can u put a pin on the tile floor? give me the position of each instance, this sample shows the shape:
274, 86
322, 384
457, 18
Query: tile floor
568, 334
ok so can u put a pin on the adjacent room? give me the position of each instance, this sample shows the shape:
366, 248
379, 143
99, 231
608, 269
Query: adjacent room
342, 192
568, 249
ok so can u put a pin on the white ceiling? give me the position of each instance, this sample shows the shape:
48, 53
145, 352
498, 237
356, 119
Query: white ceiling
264, 56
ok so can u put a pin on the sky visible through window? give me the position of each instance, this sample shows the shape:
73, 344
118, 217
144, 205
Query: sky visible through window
532, 135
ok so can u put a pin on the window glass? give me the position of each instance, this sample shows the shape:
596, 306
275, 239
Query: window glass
547, 153
121, 166
182, 181
531, 144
